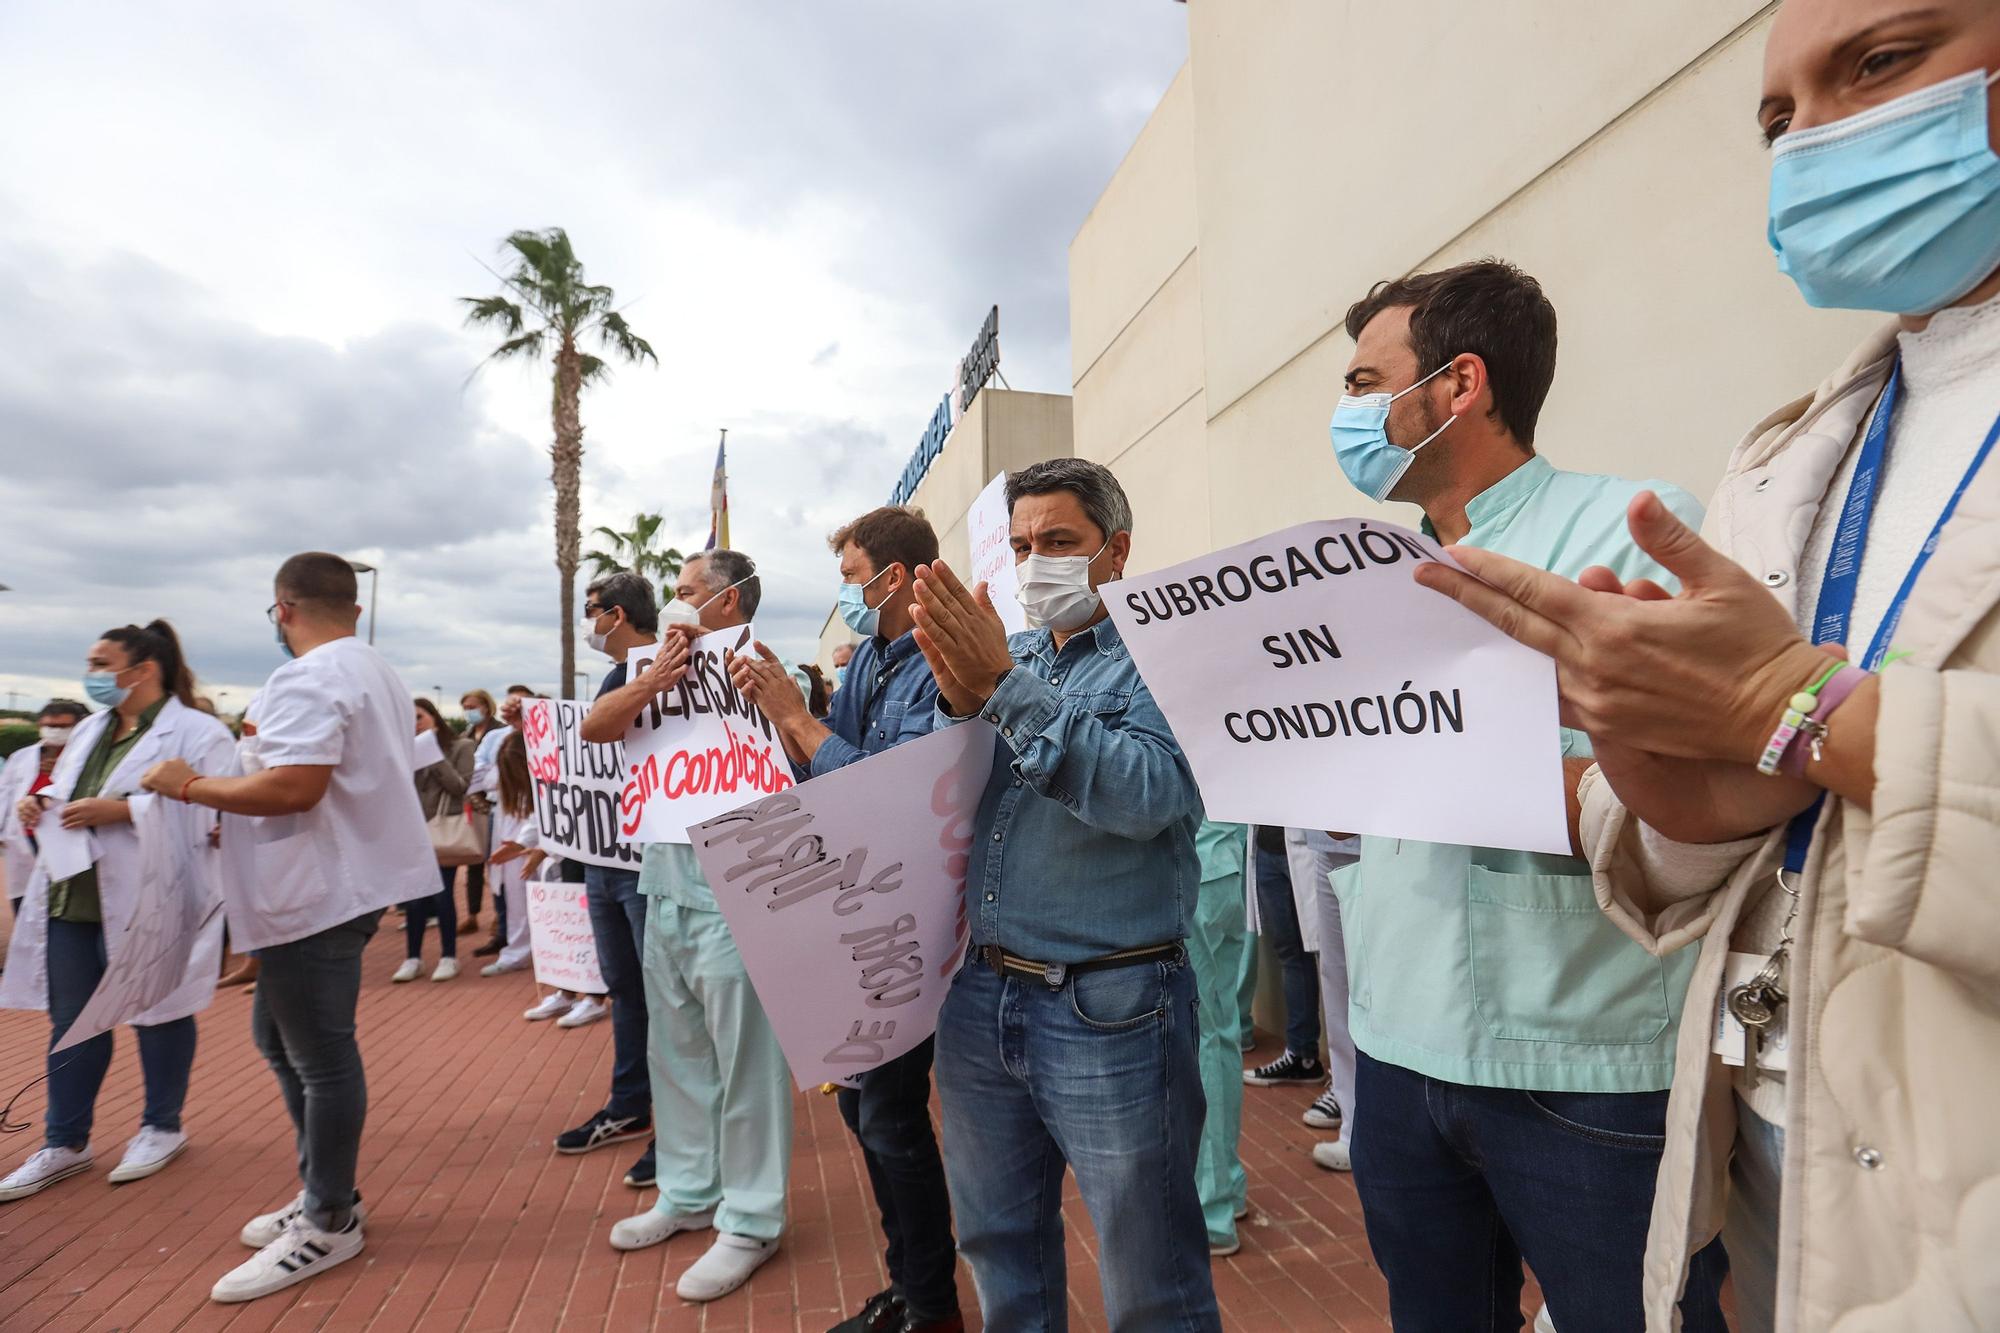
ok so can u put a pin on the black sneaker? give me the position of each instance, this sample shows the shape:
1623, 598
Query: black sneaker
1324, 1113
602, 1130
643, 1173
883, 1314
1287, 1068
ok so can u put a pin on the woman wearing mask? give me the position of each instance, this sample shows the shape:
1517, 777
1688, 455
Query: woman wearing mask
61, 942
1806, 781
441, 788
516, 855
27, 771
481, 721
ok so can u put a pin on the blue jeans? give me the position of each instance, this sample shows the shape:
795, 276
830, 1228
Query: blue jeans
302, 1019
1098, 1074
890, 1114
1278, 923
1459, 1184
618, 920
166, 1050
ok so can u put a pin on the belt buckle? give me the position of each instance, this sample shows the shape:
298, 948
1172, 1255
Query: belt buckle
994, 959
1053, 973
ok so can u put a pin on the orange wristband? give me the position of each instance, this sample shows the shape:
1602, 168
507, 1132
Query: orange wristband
188, 786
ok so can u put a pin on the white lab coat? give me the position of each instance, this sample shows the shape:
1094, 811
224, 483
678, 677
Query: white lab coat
178, 732
17, 857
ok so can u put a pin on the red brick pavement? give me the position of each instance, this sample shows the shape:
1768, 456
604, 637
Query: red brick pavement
477, 1225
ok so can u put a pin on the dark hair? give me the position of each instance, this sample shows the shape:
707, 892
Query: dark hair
891, 535
519, 689
517, 789
319, 580
157, 642
445, 734
630, 594
1093, 485
821, 698
62, 708
1487, 308
723, 567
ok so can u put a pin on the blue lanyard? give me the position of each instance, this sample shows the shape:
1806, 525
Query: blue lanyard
1843, 570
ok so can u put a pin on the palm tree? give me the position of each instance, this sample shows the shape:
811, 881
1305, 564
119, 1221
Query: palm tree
633, 550
560, 309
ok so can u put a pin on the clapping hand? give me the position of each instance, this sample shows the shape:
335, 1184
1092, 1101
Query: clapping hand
961, 637
764, 681
668, 666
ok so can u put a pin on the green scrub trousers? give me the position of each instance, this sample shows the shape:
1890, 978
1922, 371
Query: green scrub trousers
1219, 946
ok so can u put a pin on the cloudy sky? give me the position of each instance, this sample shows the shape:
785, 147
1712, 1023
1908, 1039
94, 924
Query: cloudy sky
231, 236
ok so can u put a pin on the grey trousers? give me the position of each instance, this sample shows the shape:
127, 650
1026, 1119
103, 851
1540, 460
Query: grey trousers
302, 1019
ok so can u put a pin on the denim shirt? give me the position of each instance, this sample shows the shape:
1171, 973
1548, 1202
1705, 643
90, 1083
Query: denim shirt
1084, 841
890, 697
1491, 967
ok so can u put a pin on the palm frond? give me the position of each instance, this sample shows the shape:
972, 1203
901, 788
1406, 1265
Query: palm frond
615, 335
493, 310
528, 344
590, 368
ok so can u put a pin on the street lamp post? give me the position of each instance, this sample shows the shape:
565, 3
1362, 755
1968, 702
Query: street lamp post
586, 681
361, 567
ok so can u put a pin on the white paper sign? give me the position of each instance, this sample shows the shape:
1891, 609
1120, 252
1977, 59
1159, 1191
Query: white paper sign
565, 949
428, 751
1313, 683
699, 749
64, 851
846, 898
176, 900
577, 786
987, 527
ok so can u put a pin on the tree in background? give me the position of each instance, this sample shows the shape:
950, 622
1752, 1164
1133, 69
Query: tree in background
549, 308
634, 550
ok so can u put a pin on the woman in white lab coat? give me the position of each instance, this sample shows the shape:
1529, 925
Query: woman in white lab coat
26, 771
72, 926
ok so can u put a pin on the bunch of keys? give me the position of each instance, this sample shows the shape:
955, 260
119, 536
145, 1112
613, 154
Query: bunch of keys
1755, 1004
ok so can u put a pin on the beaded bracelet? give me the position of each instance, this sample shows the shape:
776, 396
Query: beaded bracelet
1797, 709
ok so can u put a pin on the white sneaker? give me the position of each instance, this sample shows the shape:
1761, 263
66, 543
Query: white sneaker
411, 969
301, 1251
149, 1151
447, 968
653, 1226
553, 1005
501, 969
727, 1266
588, 1009
42, 1170
1333, 1156
261, 1230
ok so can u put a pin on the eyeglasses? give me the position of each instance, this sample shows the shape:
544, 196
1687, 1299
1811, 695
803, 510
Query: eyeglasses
594, 611
271, 611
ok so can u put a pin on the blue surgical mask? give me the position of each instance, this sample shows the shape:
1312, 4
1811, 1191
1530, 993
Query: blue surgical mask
1895, 209
474, 716
278, 632
853, 605
1361, 440
103, 688
839, 676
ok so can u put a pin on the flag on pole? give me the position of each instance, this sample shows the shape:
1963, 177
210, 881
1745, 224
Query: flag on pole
718, 499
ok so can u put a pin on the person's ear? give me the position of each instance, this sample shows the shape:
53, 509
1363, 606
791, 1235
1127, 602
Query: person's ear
1120, 552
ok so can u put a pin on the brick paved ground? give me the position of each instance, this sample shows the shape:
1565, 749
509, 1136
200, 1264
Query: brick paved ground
476, 1225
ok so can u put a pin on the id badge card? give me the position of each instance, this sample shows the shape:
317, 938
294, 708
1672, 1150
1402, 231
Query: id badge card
1775, 1053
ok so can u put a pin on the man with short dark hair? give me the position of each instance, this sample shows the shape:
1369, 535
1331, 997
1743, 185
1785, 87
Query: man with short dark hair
620, 615
1069, 1035
1514, 1046
893, 699
720, 1081
323, 832
27, 771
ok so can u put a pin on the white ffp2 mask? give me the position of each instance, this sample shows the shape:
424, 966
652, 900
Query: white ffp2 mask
1055, 590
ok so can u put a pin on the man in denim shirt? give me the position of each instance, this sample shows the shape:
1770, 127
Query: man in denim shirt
1069, 1036
890, 697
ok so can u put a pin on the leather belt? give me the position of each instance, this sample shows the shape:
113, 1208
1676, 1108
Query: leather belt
1002, 962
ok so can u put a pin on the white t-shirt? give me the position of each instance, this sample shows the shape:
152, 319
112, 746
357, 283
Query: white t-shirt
365, 845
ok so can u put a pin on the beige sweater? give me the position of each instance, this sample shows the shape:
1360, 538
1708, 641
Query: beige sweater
1891, 1211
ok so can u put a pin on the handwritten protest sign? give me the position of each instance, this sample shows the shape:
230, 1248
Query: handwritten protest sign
699, 749
846, 898
577, 786
565, 949
173, 937
1312, 683
987, 527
